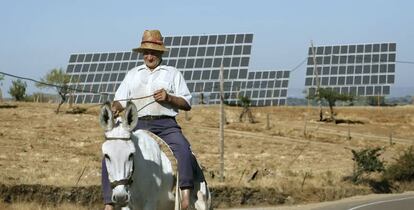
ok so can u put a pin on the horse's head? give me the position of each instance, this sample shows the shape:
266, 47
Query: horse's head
118, 150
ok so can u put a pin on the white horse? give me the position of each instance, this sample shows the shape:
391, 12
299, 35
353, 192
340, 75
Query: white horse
140, 173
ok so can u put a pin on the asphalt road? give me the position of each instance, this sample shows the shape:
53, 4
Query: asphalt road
404, 201
395, 202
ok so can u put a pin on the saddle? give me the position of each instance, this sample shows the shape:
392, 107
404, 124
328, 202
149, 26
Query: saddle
198, 173
167, 151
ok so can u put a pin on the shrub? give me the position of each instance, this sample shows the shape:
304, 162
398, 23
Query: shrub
18, 90
41, 97
76, 110
366, 161
403, 168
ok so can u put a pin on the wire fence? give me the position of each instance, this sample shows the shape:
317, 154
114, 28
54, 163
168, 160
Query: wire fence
214, 87
79, 90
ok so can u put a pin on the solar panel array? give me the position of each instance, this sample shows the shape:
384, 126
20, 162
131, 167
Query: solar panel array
198, 57
354, 69
267, 88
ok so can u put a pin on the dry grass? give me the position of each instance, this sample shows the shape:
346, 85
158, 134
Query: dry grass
40, 147
283, 150
44, 148
36, 206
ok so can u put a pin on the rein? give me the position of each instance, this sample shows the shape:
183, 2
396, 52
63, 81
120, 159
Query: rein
117, 138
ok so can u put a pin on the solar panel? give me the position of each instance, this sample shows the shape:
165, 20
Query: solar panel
354, 69
267, 87
198, 57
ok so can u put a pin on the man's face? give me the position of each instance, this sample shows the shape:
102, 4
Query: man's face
152, 58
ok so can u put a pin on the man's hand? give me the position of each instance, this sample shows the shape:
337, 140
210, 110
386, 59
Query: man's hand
116, 108
108, 207
161, 96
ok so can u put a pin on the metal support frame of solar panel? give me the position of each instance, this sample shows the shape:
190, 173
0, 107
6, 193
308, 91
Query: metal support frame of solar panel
355, 69
198, 57
266, 87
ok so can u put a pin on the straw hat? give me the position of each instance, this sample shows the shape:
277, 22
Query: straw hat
151, 40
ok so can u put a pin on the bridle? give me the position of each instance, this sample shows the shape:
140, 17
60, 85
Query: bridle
128, 180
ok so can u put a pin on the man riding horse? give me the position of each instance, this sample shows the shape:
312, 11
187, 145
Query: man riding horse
169, 93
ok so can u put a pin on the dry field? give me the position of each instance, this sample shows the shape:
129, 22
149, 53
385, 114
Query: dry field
39, 147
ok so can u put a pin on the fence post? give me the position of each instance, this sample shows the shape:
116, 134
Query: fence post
222, 121
305, 132
268, 121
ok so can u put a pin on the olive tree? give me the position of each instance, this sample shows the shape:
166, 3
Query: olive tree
331, 97
245, 102
56, 78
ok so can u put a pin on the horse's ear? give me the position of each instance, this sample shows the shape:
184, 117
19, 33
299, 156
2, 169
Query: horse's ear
106, 118
131, 116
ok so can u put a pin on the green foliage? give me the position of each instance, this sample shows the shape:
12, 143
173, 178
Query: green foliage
366, 161
60, 79
400, 100
18, 90
40, 97
375, 100
331, 96
403, 168
244, 101
55, 77
1, 83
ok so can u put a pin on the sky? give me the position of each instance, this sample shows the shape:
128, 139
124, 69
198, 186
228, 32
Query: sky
37, 36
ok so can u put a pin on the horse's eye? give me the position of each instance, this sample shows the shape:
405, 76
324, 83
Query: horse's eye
131, 156
107, 157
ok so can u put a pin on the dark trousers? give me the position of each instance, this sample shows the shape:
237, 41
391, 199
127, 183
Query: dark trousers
168, 130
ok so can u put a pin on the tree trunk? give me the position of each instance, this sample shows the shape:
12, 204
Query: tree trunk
57, 110
320, 115
63, 99
320, 109
251, 120
242, 114
247, 111
332, 113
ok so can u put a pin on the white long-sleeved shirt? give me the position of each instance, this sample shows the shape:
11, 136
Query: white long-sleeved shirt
141, 81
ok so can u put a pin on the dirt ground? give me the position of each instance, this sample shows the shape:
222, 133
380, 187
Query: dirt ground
294, 158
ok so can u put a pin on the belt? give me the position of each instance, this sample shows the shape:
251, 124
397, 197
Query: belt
155, 117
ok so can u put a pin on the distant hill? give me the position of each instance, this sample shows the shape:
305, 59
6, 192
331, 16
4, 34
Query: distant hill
402, 91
